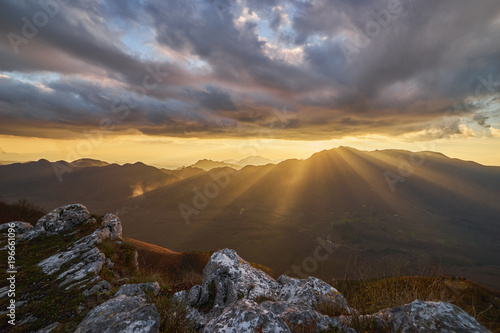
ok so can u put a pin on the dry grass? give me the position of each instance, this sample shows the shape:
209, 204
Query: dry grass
174, 316
394, 288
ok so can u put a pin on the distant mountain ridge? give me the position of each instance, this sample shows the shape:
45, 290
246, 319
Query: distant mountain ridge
379, 203
208, 165
88, 162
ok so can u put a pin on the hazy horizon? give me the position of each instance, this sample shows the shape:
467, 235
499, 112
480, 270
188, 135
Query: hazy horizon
169, 165
168, 83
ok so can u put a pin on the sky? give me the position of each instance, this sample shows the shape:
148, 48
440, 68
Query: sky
168, 82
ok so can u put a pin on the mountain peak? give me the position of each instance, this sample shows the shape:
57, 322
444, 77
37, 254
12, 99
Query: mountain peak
88, 162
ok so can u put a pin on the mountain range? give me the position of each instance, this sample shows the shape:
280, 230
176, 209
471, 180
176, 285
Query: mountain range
377, 208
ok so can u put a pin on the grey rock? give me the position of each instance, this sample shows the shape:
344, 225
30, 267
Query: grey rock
246, 316
420, 316
99, 288
180, 296
4, 291
28, 319
122, 314
91, 264
194, 295
195, 316
88, 259
310, 292
128, 311
19, 227
59, 220
112, 222
109, 263
238, 286
139, 290
20, 304
48, 328
234, 278
298, 317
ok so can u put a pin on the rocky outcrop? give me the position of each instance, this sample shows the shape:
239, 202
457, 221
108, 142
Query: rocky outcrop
99, 288
420, 316
112, 222
19, 227
86, 258
76, 267
236, 297
59, 220
127, 312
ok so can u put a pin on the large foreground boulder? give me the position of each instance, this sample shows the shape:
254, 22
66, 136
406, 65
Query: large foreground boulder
420, 316
59, 220
236, 297
127, 312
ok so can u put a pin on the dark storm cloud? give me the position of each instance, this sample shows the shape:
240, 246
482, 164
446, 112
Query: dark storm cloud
204, 67
213, 98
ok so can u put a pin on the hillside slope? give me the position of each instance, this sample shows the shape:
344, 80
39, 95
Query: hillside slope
421, 207
76, 273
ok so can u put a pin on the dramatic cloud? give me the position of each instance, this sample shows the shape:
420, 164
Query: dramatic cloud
315, 70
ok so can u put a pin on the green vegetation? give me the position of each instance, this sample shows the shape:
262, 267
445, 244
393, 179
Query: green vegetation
46, 301
43, 297
209, 303
173, 315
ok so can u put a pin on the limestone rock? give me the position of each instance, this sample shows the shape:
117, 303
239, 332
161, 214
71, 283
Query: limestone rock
228, 299
194, 295
127, 312
59, 220
420, 316
310, 292
19, 227
234, 279
86, 257
246, 316
139, 290
99, 288
298, 317
112, 222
